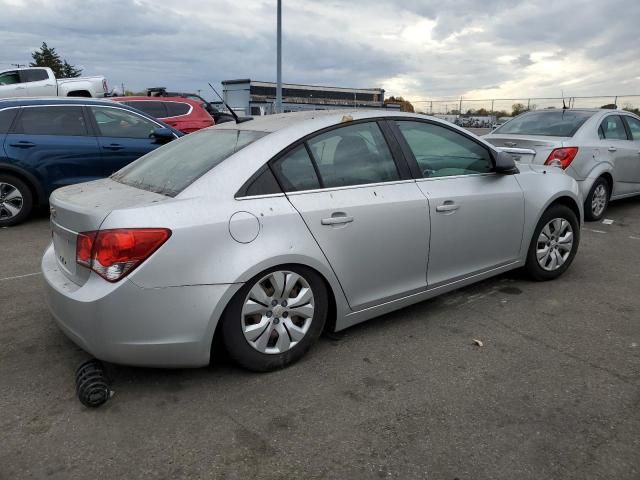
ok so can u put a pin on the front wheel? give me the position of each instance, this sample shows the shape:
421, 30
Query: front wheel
275, 318
554, 244
16, 200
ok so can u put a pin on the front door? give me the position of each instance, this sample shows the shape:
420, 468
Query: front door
477, 216
372, 225
124, 136
634, 170
11, 85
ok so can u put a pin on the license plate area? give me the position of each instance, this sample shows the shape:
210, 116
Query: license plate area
64, 246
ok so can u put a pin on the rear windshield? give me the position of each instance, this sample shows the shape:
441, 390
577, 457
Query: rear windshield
556, 123
173, 167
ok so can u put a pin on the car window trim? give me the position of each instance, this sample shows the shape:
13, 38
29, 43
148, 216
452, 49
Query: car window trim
413, 163
348, 187
24, 107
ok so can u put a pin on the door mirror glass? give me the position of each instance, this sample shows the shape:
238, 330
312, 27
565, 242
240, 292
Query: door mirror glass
505, 163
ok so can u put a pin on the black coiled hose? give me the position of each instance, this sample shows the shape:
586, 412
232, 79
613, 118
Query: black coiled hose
92, 384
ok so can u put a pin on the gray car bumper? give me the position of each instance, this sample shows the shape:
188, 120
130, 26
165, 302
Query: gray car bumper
126, 324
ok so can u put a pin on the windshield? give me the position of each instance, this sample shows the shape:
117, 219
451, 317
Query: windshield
170, 169
556, 123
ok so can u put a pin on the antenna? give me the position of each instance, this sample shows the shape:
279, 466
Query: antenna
233, 114
564, 105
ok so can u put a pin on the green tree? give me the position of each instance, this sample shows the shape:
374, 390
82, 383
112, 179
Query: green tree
518, 108
405, 105
48, 57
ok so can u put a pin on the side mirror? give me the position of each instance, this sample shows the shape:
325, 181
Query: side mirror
162, 135
505, 164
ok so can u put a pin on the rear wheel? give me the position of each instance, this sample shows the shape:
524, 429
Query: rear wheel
554, 244
595, 205
275, 318
16, 200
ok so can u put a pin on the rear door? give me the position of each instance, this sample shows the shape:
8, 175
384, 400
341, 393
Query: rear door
11, 85
477, 216
54, 143
38, 82
622, 153
123, 136
368, 217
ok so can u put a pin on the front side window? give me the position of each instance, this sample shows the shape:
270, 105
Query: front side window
441, 152
59, 120
154, 109
634, 127
9, 78
295, 171
174, 166
353, 155
34, 75
116, 122
612, 128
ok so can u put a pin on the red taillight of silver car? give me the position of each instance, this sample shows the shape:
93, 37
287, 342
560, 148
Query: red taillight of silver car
113, 254
561, 157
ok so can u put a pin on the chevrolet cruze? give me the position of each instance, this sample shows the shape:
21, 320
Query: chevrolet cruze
267, 232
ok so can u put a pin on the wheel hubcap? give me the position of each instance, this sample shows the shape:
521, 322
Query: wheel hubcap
599, 200
554, 245
10, 201
277, 312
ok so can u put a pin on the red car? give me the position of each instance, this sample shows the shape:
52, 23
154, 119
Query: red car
181, 113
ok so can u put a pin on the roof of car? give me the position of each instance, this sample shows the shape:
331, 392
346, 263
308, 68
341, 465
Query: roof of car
145, 98
19, 102
280, 121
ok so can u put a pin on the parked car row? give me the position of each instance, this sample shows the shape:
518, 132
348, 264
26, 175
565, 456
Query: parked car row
50, 143
600, 148
264, 233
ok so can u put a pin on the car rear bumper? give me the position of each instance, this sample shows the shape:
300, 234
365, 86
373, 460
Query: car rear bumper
127, 324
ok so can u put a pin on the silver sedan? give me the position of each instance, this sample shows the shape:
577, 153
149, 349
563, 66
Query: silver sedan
267, 232
600, 148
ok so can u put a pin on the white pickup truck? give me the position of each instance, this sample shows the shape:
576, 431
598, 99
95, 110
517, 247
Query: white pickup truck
41, 82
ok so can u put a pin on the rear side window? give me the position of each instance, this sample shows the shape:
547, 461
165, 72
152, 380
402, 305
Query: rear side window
175, 109
612, 128
173, 167
353, 155
34, 75
633, 123
58, 120
6, 119
295, 171
553, 123
154, 109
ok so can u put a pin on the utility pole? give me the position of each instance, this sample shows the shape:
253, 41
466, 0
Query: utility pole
279, 61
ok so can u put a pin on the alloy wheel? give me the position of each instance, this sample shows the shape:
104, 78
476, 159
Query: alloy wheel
11, 201
599, 200
554, 245
277, 312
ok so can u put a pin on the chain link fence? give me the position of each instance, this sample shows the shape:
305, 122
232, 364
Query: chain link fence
509, 106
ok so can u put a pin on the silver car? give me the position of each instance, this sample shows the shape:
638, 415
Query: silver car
599, 148
267, 232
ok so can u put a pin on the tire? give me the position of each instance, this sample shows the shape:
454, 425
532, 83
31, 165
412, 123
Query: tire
16, 200
261, 336
597, 201
551, 233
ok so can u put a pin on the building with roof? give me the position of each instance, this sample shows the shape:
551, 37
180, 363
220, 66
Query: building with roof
254, 97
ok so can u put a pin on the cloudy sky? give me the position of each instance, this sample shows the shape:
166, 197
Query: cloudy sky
415, 48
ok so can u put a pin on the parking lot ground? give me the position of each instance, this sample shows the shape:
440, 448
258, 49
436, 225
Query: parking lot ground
554, 393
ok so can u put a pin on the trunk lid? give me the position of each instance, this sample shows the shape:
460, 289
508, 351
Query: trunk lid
83, 208
540, 144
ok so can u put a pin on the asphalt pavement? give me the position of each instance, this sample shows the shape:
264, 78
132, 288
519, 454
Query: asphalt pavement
553, 393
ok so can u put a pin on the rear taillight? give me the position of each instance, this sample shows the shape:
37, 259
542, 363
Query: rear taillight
561, 157
113, 254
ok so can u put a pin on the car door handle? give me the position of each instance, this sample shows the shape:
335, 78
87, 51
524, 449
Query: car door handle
337, 218
23, 144
612, 149
21, 88
447, 207
113, 146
